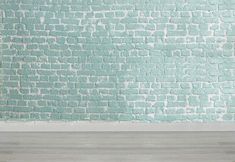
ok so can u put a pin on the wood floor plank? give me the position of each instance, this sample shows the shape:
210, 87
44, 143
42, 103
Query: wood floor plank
118, 147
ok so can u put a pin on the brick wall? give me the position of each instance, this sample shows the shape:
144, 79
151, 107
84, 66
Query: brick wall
148, 60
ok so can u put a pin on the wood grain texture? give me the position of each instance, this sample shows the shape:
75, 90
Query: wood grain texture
118, 147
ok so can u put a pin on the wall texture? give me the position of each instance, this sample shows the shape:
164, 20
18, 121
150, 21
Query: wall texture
148, 60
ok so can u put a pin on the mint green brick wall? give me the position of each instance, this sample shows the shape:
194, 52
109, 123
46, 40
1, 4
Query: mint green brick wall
119, 60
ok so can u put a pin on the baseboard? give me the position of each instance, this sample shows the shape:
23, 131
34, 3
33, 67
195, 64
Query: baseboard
41, 126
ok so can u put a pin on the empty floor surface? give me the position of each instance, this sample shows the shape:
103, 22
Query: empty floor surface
118, 147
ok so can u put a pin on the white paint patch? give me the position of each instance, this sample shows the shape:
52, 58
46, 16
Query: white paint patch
42, 20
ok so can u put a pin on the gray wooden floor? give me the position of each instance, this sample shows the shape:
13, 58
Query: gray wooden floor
118, 147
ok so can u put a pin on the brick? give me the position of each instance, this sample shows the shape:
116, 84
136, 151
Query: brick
118, 60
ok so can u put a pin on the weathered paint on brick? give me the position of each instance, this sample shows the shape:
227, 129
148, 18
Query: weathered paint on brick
120, 60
